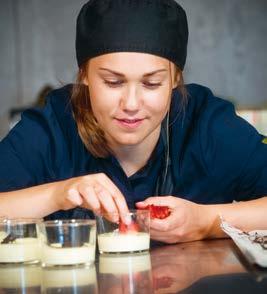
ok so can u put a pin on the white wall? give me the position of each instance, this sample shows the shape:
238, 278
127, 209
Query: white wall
227, 49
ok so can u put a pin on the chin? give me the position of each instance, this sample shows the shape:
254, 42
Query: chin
126, 141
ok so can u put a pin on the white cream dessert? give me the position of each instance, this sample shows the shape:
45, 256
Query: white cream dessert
54, 254
3, 235
16, 277
55, 278
20, 250
117, 242
123, 264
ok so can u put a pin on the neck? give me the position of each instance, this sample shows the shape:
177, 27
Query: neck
133, 158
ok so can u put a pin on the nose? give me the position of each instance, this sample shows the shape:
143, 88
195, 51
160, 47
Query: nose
131, 100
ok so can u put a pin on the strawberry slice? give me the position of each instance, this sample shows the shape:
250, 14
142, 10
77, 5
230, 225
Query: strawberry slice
157, 211
122, 227
131, 228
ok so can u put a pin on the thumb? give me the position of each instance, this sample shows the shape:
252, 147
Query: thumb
146, 202
156, 200
141, 204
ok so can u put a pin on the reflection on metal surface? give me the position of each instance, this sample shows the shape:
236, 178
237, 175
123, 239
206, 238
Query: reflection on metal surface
180, 268
124, 273
230, 284
20, 279
176, 267
69, 280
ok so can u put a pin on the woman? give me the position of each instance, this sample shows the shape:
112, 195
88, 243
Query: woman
129, 133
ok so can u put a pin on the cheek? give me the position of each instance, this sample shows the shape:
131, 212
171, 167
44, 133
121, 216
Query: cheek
102, 100
158, 101
100, 107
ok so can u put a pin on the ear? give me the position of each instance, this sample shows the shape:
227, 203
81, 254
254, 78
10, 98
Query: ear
176, 75
85, 81
84, 78
83, 73
176, 80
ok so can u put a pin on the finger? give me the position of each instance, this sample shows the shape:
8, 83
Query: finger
157, 200
107, 203
173, 221
141, 205
123, 209
117, 196
90, 198
105, 181
148, 201
160, 225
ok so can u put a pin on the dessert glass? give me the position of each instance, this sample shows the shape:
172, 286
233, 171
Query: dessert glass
19, 240
68, 242
117, 237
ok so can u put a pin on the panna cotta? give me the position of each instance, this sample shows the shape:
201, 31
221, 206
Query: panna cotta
114, 242
55, 254
3, 235
20, 250
122, 264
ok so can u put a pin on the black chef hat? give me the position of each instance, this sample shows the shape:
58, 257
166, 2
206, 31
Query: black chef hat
157, 27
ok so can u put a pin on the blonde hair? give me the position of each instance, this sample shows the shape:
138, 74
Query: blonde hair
89, 130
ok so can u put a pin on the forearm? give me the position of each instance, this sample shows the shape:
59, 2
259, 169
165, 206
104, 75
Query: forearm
247, 215
34, 202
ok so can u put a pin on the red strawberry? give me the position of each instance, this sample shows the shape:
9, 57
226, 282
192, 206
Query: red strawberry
157, 211
132, 227
122, 227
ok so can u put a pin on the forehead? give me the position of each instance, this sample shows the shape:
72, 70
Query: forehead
129, 62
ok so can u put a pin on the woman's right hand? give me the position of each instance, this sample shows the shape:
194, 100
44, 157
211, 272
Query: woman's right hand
95, 192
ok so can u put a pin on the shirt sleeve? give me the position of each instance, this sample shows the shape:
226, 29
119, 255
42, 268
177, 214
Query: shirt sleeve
29, 153
235, 153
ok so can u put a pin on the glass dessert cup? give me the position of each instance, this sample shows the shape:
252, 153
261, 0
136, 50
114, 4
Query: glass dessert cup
68, 242
19, 241
118, 237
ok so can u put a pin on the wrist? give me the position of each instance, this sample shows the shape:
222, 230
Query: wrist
57, 191
211, 222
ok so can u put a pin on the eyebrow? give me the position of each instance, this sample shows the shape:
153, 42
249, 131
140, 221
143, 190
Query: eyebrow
144, 75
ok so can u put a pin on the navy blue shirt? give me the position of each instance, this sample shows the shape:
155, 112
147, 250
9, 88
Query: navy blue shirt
216, 156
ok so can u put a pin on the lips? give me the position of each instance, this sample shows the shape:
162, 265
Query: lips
129, 123
128, 120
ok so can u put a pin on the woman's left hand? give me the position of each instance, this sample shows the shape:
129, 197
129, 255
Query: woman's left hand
188, 221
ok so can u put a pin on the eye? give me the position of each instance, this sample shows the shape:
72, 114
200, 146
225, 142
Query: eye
113, 84
152, 85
